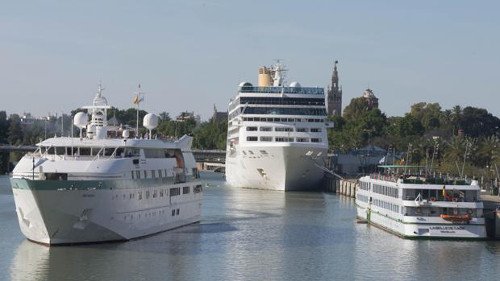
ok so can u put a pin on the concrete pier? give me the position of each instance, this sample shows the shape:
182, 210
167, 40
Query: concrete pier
492, 215
347, 187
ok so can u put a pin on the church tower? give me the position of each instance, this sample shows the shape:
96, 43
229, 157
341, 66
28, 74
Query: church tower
334, 95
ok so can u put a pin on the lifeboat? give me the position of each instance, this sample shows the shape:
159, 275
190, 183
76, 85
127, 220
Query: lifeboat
456, 218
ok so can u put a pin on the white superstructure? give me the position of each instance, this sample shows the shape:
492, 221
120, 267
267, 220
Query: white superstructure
93, 188
277, 136
421, 207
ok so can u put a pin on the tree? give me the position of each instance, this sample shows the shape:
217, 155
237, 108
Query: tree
4, 127
15, 132
356, 109
477, 122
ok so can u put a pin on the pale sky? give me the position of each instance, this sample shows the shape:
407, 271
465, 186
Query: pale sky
190, 55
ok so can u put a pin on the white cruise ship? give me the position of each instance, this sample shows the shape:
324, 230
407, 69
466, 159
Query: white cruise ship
420, 207
277, 135
93, 188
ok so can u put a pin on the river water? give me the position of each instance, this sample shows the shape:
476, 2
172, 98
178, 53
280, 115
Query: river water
248, 234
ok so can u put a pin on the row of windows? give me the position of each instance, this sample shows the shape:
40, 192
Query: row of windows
386, 205
282, 101
285, 111
282, 139
362, 198
385, 190
269, 119
174, 191
364, 185
149, 174
109, 151
281, 129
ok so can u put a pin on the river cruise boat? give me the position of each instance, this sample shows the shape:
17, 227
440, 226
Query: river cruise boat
94, 188
415, 206
277, 136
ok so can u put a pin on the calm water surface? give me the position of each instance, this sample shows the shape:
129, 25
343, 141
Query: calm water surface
251, 235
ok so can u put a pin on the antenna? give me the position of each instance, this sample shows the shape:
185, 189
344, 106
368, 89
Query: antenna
138, 98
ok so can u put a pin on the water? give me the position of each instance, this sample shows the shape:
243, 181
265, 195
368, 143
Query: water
251, 235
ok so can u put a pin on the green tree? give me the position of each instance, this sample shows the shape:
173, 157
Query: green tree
15, 132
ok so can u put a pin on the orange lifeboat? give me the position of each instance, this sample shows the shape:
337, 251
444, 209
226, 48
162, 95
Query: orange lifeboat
456, 218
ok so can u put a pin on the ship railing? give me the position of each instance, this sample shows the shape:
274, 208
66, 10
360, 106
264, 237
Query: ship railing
284, 90
384, 177
179, 175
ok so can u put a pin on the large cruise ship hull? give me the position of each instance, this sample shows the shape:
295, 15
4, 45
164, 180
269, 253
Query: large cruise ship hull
68, 212
287, 167
425, 228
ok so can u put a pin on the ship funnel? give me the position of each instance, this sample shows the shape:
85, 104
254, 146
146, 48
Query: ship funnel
265, 79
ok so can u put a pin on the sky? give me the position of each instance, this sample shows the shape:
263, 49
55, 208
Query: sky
191, 55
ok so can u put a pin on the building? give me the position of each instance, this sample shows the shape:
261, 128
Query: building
219, 116
334, 94
371, 98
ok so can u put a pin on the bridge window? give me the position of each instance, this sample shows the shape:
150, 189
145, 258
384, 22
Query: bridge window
283, 129
175, 191
283, 139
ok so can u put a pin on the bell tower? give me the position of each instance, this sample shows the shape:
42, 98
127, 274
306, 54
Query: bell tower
334, 94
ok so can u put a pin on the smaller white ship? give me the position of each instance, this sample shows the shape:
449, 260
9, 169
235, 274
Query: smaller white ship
414, 206
94, 188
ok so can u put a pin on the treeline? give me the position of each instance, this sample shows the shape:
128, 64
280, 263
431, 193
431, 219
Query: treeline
207, 135
452, 140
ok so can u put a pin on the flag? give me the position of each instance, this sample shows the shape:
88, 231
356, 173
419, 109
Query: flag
382, 160
137, 99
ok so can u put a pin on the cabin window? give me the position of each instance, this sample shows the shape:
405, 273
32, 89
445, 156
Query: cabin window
153, 173
132, 172
198, 188
315, 140
301, 129
185, 190
175, 191
84, 151
60, 150
159, 174
177, 212
315, 130
251, 128
108, 151
266, 138
120, 152
138, 174
302, 140
145, 174
266, 129
154, 153
252, 138
50, 150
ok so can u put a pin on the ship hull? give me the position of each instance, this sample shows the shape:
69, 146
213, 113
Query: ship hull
426, 228
287, 168
69, 212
